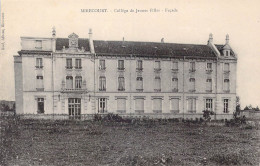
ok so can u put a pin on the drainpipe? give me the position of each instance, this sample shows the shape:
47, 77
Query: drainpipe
215, 116
95, 82
53, 50
183, 103
131, 81
52, 85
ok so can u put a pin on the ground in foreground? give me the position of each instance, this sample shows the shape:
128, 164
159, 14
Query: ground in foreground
35, 142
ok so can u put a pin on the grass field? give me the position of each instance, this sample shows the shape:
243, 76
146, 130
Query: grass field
35, 142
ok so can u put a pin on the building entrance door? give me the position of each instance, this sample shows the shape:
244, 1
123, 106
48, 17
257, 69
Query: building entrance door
102, 105
74, 107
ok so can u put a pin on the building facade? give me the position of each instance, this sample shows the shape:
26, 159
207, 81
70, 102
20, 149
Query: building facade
81, 76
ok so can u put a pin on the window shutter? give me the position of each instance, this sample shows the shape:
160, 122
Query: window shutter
175, 65
121, 105
69, 82
191, 104
157, 83
226, 84
226, 67
174, 83
157, 104
139, 83
209, 84
157, 65
39, 82
175, 104
139, 104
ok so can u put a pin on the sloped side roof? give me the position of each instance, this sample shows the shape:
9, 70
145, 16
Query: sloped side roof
220, 49
152, 49
82, 42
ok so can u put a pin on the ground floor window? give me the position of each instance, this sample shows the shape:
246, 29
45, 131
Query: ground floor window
40, 105
139, 105
74, 106
175, 105
226, 105
121, 105
157, 105
209, 104
192, 105
102, 105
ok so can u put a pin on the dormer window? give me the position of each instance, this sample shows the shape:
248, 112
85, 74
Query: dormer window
73, 40
226, 52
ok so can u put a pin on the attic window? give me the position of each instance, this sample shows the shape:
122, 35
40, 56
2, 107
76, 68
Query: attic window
227, 53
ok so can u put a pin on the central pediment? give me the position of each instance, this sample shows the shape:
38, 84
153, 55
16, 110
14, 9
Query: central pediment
73, 40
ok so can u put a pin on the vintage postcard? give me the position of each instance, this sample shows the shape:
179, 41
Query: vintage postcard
129, 82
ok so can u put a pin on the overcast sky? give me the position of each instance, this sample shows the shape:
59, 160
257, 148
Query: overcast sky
192, 23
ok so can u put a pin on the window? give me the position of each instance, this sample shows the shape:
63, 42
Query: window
102, 83
192, 105
157, 65
175, 84
157, 105
175, 66
38, 44
121, 105
209, 66
174, 105
209, 105
102, 102
139, 65
226, 84
40, 105
227, 53
157, 84
226, 105
39, 83
121, 83
69, 82
78, 82
192, 84
78, 64
69, 63
139, 105
192, 66
39, 63
121, 65
102, 64
74, 105
139, 83
226, 67
209, 85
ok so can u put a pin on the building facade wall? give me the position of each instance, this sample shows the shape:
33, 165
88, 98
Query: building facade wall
56, 95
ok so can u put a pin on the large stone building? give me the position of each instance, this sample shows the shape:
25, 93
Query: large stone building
81, 76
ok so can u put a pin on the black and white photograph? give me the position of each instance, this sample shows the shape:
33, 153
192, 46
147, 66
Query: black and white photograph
129, 83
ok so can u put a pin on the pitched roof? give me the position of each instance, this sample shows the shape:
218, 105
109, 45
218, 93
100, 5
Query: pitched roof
220, 49
144, 49
152, 49
82, 42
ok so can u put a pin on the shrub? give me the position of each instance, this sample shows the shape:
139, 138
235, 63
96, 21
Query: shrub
207, 115
97, 117
201, 120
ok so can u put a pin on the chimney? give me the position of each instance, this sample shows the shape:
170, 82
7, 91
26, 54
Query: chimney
91, 43
162, 40
210, 38
53, 32
123, 39
227, 39
53, 40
